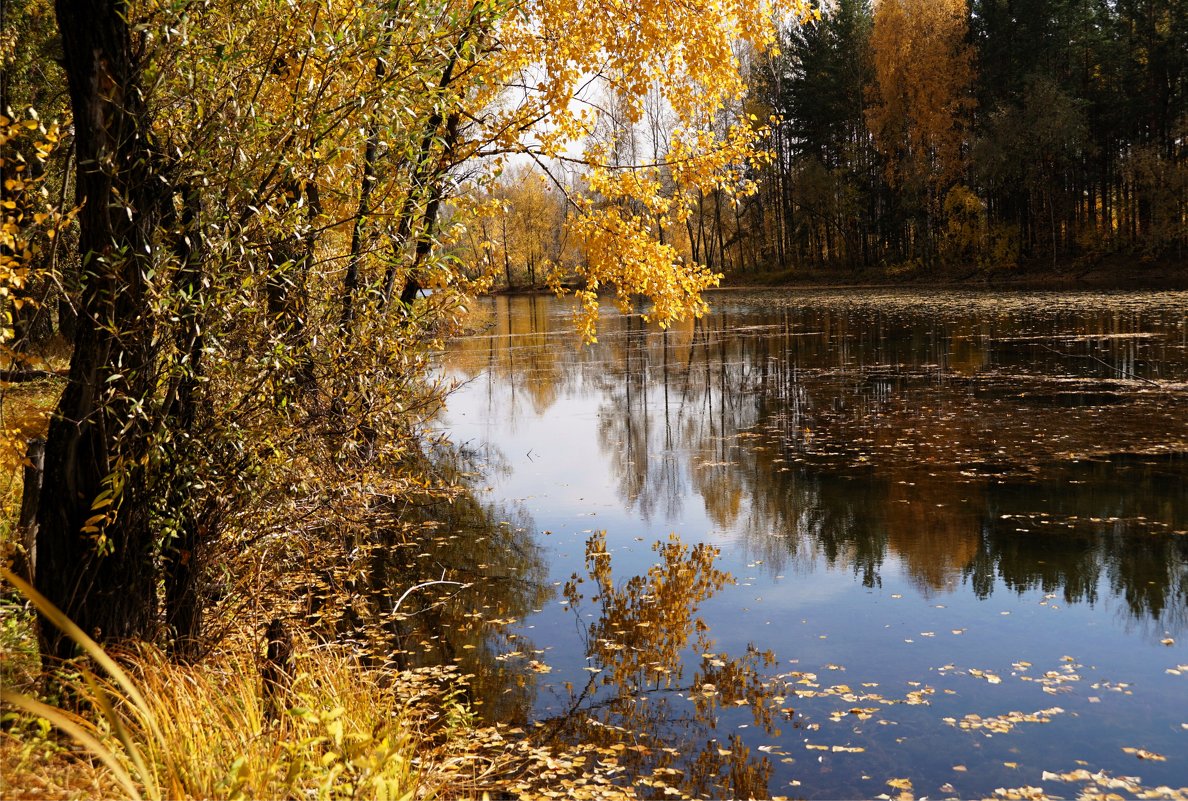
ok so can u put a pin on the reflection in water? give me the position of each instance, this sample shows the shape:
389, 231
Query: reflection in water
1111, 530
637, 703
442, 587
940, 508
1027, 442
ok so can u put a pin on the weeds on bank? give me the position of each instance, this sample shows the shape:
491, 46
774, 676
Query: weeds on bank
143, 727
178, 731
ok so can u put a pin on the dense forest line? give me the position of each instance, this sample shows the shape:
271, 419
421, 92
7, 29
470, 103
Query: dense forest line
919, 133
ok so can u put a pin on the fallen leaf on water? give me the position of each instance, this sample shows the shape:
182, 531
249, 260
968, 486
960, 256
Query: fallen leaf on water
1021, 792
1167, 641
900, 784
1142, 753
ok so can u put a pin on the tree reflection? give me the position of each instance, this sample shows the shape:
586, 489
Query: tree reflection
638, 703
1112, 529
861, 428
441, 584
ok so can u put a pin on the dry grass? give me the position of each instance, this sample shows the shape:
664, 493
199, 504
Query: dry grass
153, 729
201, 733
33, 765
143, 727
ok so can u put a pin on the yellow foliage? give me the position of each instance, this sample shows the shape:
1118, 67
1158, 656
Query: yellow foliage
27, 218
923, 89
679, 56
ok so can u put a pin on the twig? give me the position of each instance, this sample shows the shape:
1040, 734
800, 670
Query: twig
1126, 373
422, 586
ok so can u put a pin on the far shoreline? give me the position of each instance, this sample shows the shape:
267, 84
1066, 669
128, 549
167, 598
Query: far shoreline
1114, 273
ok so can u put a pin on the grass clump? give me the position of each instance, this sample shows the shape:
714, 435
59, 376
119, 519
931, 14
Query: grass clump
164, 730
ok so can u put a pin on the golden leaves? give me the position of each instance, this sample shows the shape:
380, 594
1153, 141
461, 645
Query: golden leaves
924, 75
1026, 792
899, 784
678, 54
1002, 724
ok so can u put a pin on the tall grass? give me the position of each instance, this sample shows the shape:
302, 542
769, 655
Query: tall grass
146, 728
185, 732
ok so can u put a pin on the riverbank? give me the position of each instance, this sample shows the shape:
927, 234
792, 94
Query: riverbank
1115, 272
323, 722
204, 731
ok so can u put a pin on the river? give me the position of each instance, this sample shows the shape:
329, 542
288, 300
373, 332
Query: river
837, 544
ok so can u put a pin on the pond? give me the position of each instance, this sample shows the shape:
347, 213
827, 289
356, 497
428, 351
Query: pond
837, 544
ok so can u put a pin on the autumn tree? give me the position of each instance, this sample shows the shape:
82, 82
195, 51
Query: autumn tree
98, 442
922, 97
264, 191
521, 230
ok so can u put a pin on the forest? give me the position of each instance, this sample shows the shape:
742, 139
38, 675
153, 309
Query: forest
237, 237
921, 139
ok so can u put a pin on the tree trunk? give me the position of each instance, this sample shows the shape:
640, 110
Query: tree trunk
26, 556
101, 572
183, 606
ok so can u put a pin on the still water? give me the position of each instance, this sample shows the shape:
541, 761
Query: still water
843, 544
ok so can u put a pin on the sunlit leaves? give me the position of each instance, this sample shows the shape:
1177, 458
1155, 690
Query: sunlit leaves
922, 91
29, 218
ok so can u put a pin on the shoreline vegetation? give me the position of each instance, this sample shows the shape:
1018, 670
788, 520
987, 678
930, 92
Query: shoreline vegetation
1107, 273
247, 719
313, 720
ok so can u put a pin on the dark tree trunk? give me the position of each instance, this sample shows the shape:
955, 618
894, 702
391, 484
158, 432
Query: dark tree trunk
101, 573
276, 673
183, 607
26, 556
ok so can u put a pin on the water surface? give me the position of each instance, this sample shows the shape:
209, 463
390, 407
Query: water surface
955, 527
